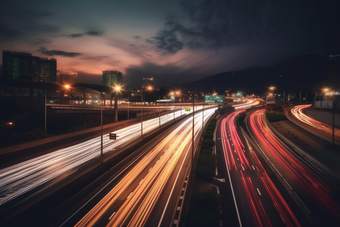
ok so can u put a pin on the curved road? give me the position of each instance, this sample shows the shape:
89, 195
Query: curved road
318, 196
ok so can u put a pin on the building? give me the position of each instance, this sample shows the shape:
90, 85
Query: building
24, 66
112, 78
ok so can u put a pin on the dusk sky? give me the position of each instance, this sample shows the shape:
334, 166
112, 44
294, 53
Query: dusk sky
173, 41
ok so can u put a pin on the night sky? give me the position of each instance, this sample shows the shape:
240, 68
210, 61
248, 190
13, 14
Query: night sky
173, 41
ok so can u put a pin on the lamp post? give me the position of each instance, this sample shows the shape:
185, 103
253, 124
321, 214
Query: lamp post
45, 114
271, 88
193, 134
128, 115
159, 110
101, 128
117, 88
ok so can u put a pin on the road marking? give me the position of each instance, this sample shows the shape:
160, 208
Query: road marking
157, 161
113, 214
242, 167
244, 151
141, 181
238, 159
150, 169
253, 167
258, 191
287, 184
129, 195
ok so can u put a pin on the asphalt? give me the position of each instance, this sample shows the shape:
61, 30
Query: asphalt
317, 147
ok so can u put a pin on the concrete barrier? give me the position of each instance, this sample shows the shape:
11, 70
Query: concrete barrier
330, 173
308, 129
323, 116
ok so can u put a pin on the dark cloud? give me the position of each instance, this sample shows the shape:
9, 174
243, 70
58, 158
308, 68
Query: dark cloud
132, 45
218, 23
163, 74
39, 41
17, 23
90, 33
137, 37
44, 50
166, 40
94, 58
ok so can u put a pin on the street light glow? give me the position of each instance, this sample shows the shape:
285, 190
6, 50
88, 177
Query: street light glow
117, 88
149, 88
67, 86
271, 88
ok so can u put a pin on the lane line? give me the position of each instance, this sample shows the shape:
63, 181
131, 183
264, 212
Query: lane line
258, 191
112, 215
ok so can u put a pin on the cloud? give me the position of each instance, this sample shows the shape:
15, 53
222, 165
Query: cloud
94, 58
168, 74
166, 40
44, 50
90, 33
18, 23
137, 37
132, 45
219, 23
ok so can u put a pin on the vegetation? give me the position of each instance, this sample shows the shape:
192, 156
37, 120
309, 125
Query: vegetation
206, 160
240, 117
204, 210
204, 207
273, 117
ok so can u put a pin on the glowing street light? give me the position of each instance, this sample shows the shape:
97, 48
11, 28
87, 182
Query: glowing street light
117, 88
272, 88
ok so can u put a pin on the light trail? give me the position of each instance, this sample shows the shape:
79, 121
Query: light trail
310, 185
234, 146
21, 178
297, 112
248, 104
152, 172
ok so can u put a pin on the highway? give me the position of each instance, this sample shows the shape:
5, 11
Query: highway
257, 200
316, 195
247, 104
296, 114
145, 184
40, 172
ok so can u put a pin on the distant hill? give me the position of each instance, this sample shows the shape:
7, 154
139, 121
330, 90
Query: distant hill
306, 72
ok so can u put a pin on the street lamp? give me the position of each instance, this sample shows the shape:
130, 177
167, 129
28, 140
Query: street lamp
101, 128
117, 88
271, 88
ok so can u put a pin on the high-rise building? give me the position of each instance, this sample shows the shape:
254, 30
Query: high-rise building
112, 78
17, 65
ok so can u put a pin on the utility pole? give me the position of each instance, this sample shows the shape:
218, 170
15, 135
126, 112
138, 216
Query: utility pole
284, 97
300, 97
116, 106
101, 129
45, 114
141, 115
202, 118
193, 134
159, 110
128, 116
333, 148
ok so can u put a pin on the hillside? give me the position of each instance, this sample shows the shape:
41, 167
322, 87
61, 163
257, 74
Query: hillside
307, 72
